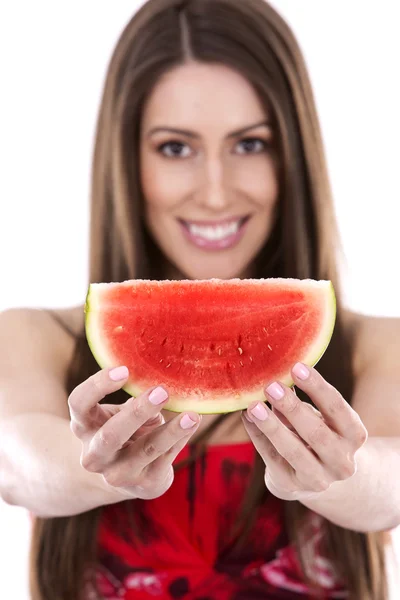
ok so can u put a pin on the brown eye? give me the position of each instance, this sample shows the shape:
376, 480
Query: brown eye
251, 146
174, 149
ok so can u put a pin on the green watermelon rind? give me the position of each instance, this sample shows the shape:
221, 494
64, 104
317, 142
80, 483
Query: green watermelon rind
217, 405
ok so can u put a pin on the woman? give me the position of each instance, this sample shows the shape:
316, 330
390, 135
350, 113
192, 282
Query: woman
208, 163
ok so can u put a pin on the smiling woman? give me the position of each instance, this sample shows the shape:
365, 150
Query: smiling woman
208, 163
213, 185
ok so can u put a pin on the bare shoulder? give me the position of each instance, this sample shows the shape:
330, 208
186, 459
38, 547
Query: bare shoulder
73, 318
31, 334
35, 352
376, 340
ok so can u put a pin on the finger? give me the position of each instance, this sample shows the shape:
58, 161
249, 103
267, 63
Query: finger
287, 423
133, 461
282, 418
160, 465
309, 425
277, 467
83, 400
149, 448
151, 424
338, 413
113, 435
280, 478
308, 468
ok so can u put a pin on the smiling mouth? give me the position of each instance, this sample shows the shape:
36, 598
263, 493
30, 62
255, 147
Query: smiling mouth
215, 235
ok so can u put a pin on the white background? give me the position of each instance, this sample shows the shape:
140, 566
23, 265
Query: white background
53, 61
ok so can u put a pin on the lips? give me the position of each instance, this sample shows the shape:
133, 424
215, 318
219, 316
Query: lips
215, 235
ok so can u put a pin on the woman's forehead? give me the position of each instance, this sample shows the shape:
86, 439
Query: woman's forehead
205, 94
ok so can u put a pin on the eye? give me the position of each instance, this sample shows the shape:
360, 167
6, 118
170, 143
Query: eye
252, 146
174, 149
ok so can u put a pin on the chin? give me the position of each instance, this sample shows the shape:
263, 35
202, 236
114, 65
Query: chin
207, 270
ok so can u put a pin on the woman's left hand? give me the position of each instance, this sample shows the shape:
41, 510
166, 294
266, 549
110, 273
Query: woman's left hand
305, 450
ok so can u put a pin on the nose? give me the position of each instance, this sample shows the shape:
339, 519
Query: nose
215, 193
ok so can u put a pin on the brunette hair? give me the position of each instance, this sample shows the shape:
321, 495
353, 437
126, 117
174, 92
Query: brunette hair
250, 37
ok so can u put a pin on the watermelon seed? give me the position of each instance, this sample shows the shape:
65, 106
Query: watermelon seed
241, 364
161, 360
181, 348
150, 340
264, 329
269, 347
240, 351
251, 359
164, 342
118, 329
168, 365
219, 351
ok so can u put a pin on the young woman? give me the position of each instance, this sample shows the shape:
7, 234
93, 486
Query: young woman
208, 163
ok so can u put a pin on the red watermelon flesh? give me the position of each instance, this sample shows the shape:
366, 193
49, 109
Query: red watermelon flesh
213, 344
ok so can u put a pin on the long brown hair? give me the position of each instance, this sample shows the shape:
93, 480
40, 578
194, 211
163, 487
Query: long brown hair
250, 37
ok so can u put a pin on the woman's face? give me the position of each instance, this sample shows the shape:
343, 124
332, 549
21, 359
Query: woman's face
208, 172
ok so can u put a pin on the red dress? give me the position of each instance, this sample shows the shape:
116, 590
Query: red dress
186, 550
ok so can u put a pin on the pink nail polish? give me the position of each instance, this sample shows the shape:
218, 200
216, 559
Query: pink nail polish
276, 391
187, 422
259, 411
118, 374
246, 416
158, 395
301, 371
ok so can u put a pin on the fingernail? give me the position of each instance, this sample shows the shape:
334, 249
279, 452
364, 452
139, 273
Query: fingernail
246, 416
259, 411
118, 374
301, 371
276, 391
158, 395
187, 422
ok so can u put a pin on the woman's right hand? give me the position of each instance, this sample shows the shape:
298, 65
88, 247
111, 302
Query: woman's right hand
130, 445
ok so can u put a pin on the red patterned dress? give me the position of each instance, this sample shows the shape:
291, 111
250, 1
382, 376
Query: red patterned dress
186, 552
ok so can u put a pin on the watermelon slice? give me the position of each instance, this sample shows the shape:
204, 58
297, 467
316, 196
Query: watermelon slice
214, 344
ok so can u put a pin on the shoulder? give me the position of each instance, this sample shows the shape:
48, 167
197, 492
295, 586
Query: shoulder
377, 374
39, 335
71, 319
376, 340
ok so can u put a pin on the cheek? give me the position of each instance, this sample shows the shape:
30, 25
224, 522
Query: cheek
164, 184
260, 182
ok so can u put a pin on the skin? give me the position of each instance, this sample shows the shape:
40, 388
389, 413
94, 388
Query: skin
315, 456
211, 176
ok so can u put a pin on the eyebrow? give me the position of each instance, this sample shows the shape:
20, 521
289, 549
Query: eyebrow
193, 135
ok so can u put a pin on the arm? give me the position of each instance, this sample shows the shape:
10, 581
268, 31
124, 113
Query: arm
41, 471
370, 500
39, 455
343, 461
118, 452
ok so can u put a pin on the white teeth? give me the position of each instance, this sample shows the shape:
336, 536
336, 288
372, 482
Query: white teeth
216, 232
